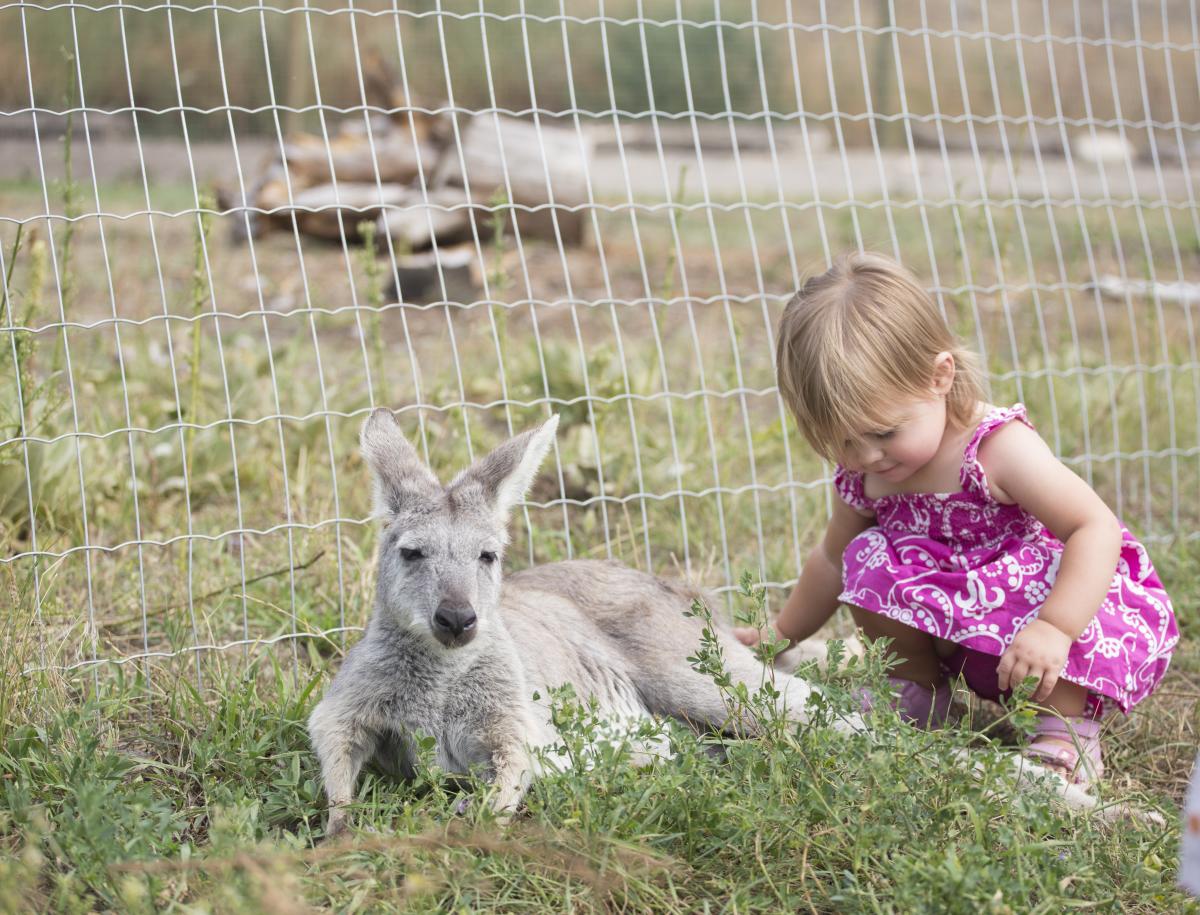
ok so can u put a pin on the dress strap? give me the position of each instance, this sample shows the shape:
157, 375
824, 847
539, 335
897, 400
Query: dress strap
849, 486
972, 476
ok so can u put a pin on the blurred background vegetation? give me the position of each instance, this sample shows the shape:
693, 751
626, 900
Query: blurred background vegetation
813, 57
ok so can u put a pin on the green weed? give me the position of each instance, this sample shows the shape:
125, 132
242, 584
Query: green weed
149, 796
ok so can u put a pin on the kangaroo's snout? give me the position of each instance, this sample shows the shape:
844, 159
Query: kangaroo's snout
454, 623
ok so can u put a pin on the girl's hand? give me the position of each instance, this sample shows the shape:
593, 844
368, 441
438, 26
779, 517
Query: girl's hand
1039, 650
748, 635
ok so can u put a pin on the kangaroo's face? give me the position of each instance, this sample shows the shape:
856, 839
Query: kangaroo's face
439, 571
441, 549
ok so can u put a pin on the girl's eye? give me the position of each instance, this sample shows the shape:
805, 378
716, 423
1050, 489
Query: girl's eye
410, 555
886, 434
487, 557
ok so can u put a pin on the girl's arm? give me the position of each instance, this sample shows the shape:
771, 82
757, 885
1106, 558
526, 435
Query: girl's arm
815, 596
1022, 469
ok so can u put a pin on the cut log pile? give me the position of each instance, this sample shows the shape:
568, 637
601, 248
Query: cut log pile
428, 184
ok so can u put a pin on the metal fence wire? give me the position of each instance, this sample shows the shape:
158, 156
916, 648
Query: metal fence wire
229, 230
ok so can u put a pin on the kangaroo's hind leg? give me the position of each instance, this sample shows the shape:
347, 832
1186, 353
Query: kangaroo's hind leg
670, 686
678, 690
795, 694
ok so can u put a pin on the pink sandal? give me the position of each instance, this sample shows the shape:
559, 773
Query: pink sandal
918, 705
1080, 760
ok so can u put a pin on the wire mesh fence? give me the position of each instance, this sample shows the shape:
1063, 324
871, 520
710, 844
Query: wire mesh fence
227, 231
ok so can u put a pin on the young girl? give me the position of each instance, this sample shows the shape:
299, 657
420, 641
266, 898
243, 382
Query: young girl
958, 535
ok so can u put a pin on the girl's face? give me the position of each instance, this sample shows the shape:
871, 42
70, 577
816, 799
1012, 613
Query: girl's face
908, 442
911, 437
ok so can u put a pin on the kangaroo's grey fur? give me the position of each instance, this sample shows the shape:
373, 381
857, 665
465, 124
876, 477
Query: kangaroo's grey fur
614, 634
453, 653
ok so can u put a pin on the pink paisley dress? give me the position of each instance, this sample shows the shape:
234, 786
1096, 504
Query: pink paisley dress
973, 571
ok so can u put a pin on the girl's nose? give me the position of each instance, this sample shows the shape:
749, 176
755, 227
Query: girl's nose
867, 454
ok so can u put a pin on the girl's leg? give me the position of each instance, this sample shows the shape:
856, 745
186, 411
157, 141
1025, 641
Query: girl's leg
919, 660
1067, 698
922, 698
1070, 743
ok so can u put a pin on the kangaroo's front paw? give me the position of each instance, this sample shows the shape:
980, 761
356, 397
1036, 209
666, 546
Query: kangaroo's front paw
505, 804
512, 774
505, 816
339, 823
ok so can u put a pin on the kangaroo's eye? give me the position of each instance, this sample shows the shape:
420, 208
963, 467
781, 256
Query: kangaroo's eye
487, 557
410, 555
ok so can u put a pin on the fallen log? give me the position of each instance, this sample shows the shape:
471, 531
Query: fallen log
518, 162
389, 156
328, 210
443, 213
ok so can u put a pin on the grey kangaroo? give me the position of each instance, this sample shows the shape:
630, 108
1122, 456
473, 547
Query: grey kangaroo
455, 653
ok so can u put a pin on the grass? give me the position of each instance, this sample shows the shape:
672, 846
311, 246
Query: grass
231, 391
150, 797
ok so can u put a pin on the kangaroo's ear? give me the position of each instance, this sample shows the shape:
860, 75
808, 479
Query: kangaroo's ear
504, 475
400, 475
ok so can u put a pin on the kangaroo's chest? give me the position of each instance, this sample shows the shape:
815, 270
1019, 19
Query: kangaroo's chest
462, 712
459, 749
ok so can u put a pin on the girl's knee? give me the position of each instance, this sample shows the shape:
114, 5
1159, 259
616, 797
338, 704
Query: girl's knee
876, 625
918, 662
872, 624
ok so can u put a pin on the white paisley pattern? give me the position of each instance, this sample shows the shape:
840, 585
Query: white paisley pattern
966, 568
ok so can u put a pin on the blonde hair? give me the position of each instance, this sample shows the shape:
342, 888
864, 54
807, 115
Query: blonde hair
859, 337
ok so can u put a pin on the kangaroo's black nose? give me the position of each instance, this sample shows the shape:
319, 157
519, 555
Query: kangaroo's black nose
454, 618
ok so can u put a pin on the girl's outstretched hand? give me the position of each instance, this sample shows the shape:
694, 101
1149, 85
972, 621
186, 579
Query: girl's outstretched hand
1039, 650
748, 635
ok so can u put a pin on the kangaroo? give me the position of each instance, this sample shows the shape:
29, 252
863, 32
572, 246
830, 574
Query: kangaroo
454, 652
